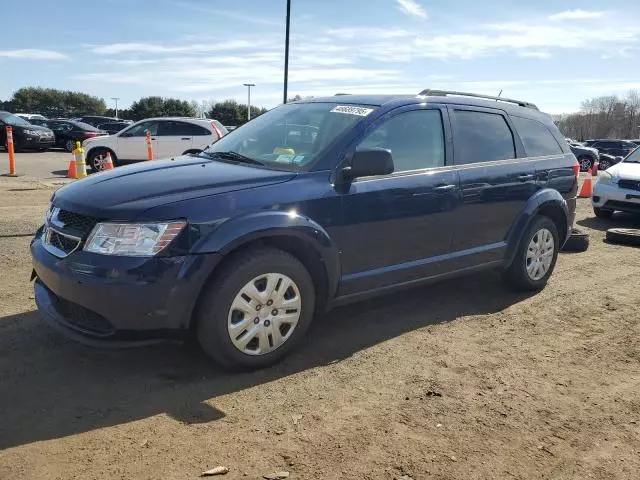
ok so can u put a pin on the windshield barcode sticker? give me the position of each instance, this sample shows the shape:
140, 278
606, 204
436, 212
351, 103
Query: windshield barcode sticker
351, 110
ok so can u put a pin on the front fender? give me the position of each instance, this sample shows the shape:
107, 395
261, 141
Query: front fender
241, 230
541, 200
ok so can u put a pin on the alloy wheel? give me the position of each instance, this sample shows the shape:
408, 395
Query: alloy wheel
539, 254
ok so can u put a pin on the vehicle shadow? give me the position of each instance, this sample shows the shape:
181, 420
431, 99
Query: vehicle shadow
620, 219
52, 387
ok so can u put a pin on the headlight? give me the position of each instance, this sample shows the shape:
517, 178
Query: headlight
35, 133
132, 239
604, 177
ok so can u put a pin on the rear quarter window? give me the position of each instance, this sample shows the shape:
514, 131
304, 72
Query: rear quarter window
537, 139
482, 137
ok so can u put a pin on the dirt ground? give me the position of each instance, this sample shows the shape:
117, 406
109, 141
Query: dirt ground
462, 380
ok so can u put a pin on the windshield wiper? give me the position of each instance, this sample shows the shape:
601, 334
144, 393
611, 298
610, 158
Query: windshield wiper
233, 156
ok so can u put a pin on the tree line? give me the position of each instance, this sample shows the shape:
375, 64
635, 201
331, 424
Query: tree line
607, 116
54, 103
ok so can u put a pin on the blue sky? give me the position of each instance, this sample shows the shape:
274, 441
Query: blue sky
552, 52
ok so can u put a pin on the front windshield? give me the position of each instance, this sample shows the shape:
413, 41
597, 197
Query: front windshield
291, 136
13, 120
633, 157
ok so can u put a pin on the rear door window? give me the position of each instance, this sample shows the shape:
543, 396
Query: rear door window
537, 139
482, 137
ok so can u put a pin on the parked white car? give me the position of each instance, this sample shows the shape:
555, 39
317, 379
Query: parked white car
618, 188
170, 136
30, 116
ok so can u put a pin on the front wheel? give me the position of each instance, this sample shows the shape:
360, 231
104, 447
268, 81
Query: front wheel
257, 310
536, 256
585, 163
69, 145
604, 164
97, 159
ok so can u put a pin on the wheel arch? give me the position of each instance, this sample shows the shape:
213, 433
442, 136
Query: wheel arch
549, 203
300, 237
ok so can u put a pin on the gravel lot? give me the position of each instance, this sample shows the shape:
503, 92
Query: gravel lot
464, 379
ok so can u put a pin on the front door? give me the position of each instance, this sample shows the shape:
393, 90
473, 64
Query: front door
396, 227
132, 144
174, 138
494, 183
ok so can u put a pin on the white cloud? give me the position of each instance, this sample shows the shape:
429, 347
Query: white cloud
411, 7
364, 32
154, 48
575, 15
535, 54
33, 54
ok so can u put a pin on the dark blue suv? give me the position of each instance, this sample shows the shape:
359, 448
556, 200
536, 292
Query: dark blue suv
313, 204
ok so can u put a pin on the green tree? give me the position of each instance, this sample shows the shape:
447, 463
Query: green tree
161, 107
56, 103
123, 113
232, 113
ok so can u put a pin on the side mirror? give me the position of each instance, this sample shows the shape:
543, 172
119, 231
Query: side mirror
619, 159
369, 163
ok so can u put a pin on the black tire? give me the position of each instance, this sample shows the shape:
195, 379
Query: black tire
516, 274
604, 164
96, 152
578, 241
585, 162
217, 298
69, 146
603, 212
626, 236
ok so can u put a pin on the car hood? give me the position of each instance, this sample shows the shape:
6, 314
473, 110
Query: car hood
625, 170
38, 128
126, 192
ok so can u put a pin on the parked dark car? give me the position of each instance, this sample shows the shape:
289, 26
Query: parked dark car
113, 127
586, 156
25, 134
240, 244
607, 161
95, 120
68, 132
616, 148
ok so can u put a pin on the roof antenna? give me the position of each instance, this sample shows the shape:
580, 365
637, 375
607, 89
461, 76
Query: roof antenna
499, 94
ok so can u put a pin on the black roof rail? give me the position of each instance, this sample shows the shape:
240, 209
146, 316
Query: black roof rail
443, 93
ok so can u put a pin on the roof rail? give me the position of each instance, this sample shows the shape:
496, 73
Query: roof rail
443, 93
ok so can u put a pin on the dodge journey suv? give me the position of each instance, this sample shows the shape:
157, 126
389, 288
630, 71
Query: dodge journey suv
313, 204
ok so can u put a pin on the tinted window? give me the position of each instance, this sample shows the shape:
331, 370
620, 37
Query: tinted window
84, 126
482, 137
537, 139
59, 126
140, 130
416, 139
173, 128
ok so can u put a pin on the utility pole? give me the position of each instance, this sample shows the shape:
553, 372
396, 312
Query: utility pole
286, 51
249, 85
116, 99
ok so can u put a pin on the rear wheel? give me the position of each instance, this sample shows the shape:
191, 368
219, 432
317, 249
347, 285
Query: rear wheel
604, 164
257, 310
69, 145
602, 212
585, 163
536, 256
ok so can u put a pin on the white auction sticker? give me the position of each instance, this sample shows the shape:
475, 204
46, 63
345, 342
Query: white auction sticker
352, 110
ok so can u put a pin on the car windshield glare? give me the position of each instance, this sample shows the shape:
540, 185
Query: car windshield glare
291, 136
634, 157
14, 120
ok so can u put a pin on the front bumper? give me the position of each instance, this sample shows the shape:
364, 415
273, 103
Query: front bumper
29, 141
105, 300
609, 196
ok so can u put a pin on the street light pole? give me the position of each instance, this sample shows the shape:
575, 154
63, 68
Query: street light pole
116, 99
286, 51
249, 85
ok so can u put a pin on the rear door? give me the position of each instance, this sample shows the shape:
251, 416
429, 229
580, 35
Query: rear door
177, 137
494, 183
132, 144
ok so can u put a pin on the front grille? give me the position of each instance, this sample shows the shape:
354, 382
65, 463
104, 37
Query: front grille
66, 244
84, 319
82, 224
629, 184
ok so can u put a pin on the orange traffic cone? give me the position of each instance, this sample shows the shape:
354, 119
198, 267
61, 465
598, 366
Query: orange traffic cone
587, 187
72, 172
108, 164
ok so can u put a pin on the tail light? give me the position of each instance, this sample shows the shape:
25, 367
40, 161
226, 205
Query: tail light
90, 134
217, 130
576, 169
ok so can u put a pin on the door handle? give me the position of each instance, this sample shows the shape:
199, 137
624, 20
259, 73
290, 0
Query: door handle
445, 188
185, 138
525, 178
153, 138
